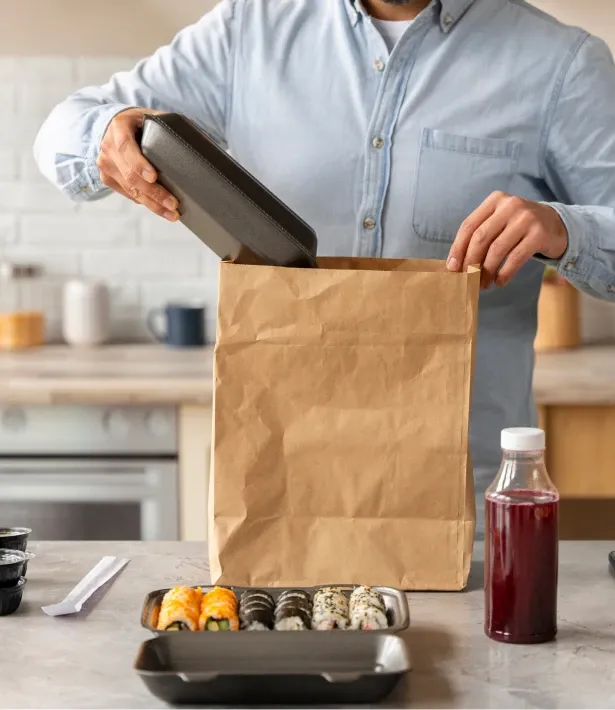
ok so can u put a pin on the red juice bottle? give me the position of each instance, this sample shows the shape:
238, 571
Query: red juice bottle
521, 543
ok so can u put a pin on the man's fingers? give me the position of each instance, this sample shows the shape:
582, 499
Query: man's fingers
139, 188
498, 251
137, 173
458, 251
516, 260
483, 238
123, 135
136, 170
157, 208
124, 169
111, 176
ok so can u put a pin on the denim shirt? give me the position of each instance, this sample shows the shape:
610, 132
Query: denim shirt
385, 154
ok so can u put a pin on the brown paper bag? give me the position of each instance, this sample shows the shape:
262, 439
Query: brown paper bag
340, 441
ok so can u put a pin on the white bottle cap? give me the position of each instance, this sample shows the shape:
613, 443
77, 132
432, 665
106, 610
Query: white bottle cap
523, 439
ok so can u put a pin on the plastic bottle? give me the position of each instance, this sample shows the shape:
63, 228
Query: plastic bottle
521, 543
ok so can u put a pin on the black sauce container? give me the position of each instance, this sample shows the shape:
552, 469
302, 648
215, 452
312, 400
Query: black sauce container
14, 538
10, 597
13, 564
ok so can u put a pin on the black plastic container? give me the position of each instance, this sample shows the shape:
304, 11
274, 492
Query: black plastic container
14, 538
252, 226
10, 597
287, 668
13, 564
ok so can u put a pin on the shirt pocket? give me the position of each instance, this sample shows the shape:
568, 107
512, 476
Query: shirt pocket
455, 175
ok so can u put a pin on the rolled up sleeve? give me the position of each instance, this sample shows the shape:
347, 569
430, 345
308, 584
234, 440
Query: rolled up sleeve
192, 75
579, 166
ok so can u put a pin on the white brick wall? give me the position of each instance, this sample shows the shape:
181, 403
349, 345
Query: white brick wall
144, 260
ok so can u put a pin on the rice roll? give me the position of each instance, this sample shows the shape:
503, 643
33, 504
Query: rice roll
180, 609
219, 611
367, 610
256, 611
331, 610
293, 611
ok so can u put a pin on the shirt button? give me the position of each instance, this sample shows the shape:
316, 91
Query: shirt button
369, 223
570, 265
378, 143
379, 65
611, 289
448, 20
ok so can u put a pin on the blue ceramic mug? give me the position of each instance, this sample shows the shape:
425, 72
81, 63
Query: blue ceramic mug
184, 326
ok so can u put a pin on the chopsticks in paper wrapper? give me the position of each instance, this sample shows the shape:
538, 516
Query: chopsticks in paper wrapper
100, 574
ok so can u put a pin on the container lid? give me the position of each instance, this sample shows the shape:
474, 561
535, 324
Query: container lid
523, 439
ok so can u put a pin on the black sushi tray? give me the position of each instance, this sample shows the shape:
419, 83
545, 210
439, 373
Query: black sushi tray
396, 603
286, 668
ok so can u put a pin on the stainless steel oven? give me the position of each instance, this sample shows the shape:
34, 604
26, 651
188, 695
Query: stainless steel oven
90, 473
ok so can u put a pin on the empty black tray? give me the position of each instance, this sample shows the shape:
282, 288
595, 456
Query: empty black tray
253, 225
288, 668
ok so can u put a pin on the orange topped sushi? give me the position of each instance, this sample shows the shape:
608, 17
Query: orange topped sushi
180, 609
219, 611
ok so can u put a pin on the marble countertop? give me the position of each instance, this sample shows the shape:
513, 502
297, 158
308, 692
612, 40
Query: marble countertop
86, 661
154, 374
115, 374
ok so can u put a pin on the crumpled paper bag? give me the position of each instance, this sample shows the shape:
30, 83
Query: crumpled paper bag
341, 414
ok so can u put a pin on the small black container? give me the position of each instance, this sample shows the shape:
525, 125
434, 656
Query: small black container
14, 538
13, 565
10, 597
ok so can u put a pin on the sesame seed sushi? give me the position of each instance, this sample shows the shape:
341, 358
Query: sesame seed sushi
219, 611
256, 611
367, 610
331, 610
180, 610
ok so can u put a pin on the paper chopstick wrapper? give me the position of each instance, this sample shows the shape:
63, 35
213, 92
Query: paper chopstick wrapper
99, 575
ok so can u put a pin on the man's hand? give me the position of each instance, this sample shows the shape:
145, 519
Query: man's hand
503, 234
124, 169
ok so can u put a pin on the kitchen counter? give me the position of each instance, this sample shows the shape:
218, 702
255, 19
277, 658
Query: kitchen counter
584, 376
116, 374
154, 374
86, 661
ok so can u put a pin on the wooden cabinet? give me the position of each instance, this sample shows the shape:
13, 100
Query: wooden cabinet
581, 462
194, 458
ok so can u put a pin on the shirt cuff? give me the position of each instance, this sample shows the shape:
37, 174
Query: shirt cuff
576, 261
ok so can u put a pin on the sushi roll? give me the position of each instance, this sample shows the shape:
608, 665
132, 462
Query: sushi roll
331, 610
367, 610
256, 609
219, 611
180, 610
293, 611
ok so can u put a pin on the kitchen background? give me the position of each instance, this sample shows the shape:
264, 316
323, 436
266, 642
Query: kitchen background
50, 48
114, 443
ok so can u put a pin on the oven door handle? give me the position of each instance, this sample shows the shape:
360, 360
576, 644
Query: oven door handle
72, 481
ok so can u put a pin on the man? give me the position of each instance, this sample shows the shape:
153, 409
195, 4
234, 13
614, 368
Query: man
454, 129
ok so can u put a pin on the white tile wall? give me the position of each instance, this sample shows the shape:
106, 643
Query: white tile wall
144, 260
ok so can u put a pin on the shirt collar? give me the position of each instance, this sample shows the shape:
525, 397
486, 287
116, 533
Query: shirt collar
450, 11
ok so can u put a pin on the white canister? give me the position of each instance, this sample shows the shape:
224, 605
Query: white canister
85, 313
